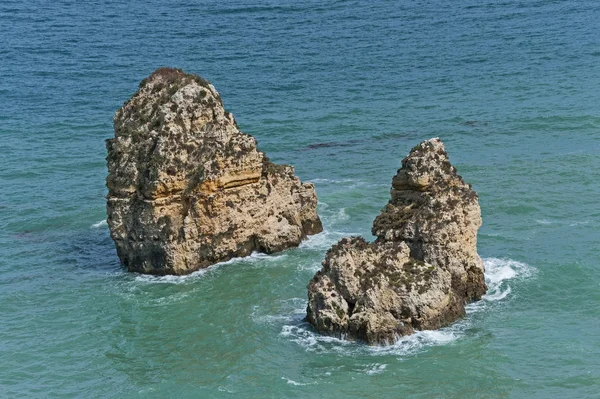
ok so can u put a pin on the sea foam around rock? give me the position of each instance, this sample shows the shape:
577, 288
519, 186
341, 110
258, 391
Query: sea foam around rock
500, 276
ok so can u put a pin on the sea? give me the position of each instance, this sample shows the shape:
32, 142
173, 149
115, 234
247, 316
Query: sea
341, 90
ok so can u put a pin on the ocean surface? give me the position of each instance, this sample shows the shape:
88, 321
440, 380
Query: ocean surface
341, 90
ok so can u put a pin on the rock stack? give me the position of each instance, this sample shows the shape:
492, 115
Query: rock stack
422, 268
187, 189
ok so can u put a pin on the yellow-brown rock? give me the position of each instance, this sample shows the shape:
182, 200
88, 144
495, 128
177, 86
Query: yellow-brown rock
420, 271
187, 189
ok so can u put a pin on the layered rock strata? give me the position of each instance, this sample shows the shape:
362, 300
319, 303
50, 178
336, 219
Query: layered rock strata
422, 268
187, 189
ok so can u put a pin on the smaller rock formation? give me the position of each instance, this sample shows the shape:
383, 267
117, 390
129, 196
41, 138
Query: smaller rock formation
420, 271
187, 189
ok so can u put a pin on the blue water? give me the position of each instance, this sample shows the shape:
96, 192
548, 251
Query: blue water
341, 90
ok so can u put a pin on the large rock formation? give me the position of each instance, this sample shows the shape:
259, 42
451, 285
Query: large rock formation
187, 189
420, 271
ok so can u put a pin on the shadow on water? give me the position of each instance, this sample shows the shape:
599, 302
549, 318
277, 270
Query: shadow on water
90, 250
330, 144
404, 136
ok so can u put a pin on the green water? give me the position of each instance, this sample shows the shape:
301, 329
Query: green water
342, 91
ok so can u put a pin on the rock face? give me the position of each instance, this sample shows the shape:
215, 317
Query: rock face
422, 268
187, 189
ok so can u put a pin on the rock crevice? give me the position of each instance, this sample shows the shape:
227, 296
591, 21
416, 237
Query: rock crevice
422, 268
187, 189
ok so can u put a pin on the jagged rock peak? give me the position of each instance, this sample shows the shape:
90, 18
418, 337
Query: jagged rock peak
187, 189
426, 168
423, 266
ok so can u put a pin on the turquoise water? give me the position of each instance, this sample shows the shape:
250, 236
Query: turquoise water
342, 90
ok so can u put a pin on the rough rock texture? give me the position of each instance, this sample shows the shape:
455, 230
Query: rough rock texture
420, 271
187, 189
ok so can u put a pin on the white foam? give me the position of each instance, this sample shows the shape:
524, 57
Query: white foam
257, 257
404, 346
497, 274
324, 240
99, 224
374, 368
543, 221
292, 382
341, 215
498, 294
310, 266
309, 340
417, 342
170, 279
289, 311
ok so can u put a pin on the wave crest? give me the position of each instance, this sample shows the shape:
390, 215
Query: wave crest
99, 224
498, 272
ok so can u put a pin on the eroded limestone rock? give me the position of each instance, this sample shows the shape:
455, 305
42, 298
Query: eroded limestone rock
187, 189
420, 271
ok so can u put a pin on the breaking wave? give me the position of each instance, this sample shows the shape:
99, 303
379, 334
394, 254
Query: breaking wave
498, 274
99, 224
323, 240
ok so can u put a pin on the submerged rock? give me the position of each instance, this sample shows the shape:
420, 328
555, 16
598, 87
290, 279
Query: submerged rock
187, 189
420, 271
